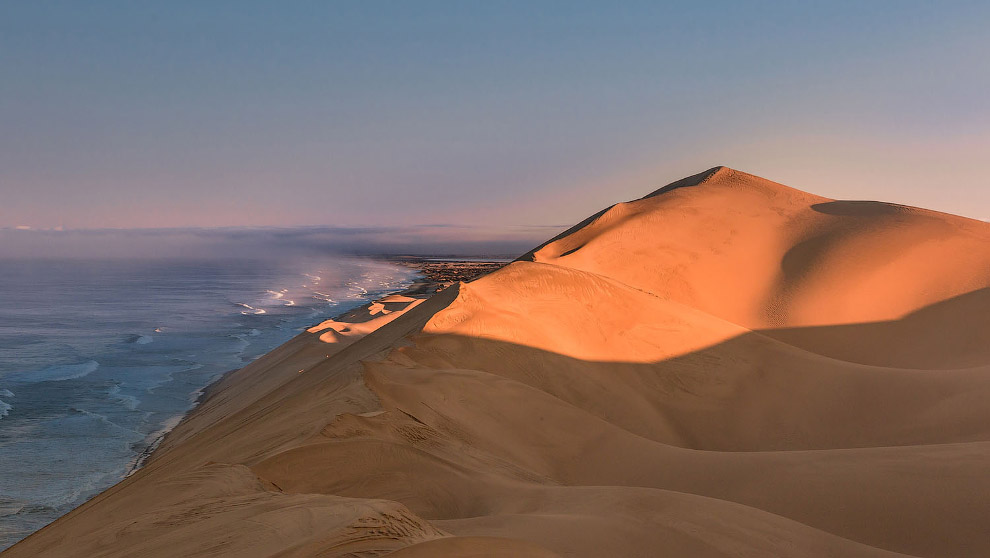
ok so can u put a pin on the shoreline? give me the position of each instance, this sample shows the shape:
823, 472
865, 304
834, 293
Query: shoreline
434, 275
648, 383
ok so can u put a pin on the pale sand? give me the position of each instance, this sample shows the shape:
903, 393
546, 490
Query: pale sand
727, 367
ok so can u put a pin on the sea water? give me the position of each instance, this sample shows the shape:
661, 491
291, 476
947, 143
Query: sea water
100, 357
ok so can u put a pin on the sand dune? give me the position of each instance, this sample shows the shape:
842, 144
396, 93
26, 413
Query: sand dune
726, 367
761, 254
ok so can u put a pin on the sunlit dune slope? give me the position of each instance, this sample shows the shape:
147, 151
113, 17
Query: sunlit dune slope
761, 254
727, 367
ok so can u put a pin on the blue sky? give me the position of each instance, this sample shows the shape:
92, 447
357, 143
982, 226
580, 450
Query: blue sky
126, 114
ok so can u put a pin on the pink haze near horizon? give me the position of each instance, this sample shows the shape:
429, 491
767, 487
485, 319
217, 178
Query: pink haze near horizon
493, 117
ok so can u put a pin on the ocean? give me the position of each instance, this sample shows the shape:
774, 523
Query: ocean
100, 357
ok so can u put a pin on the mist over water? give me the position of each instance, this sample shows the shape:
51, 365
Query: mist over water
272, 243
102, 350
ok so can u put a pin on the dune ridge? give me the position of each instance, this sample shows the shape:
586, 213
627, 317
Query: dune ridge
724, 367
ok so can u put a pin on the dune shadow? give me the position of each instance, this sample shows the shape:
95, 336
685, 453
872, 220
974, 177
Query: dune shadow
801, 388
857, 208
949, 334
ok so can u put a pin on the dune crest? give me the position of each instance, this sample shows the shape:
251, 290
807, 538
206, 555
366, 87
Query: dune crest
724, 367
761, 254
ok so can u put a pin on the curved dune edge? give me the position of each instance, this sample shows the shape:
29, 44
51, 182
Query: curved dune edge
725, 367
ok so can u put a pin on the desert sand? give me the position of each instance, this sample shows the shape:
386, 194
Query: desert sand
725, 367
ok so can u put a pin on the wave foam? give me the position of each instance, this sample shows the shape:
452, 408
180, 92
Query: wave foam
57, 373
152, 442
252, 308
128, 401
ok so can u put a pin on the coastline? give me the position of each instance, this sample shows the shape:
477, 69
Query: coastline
433, 275
626, 389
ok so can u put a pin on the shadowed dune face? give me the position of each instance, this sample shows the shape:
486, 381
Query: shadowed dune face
693, 380
727, 367
860, 208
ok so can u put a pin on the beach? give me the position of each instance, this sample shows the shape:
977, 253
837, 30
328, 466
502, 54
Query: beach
727, 366
432, 275
87, 392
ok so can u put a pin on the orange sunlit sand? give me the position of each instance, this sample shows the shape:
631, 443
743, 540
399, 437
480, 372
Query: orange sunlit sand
725, 367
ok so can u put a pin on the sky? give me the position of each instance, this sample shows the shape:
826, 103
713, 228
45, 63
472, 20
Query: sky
487, 115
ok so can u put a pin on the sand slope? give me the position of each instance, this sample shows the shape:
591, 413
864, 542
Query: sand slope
726, 367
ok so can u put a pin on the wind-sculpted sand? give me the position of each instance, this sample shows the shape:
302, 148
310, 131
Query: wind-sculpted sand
726, 367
